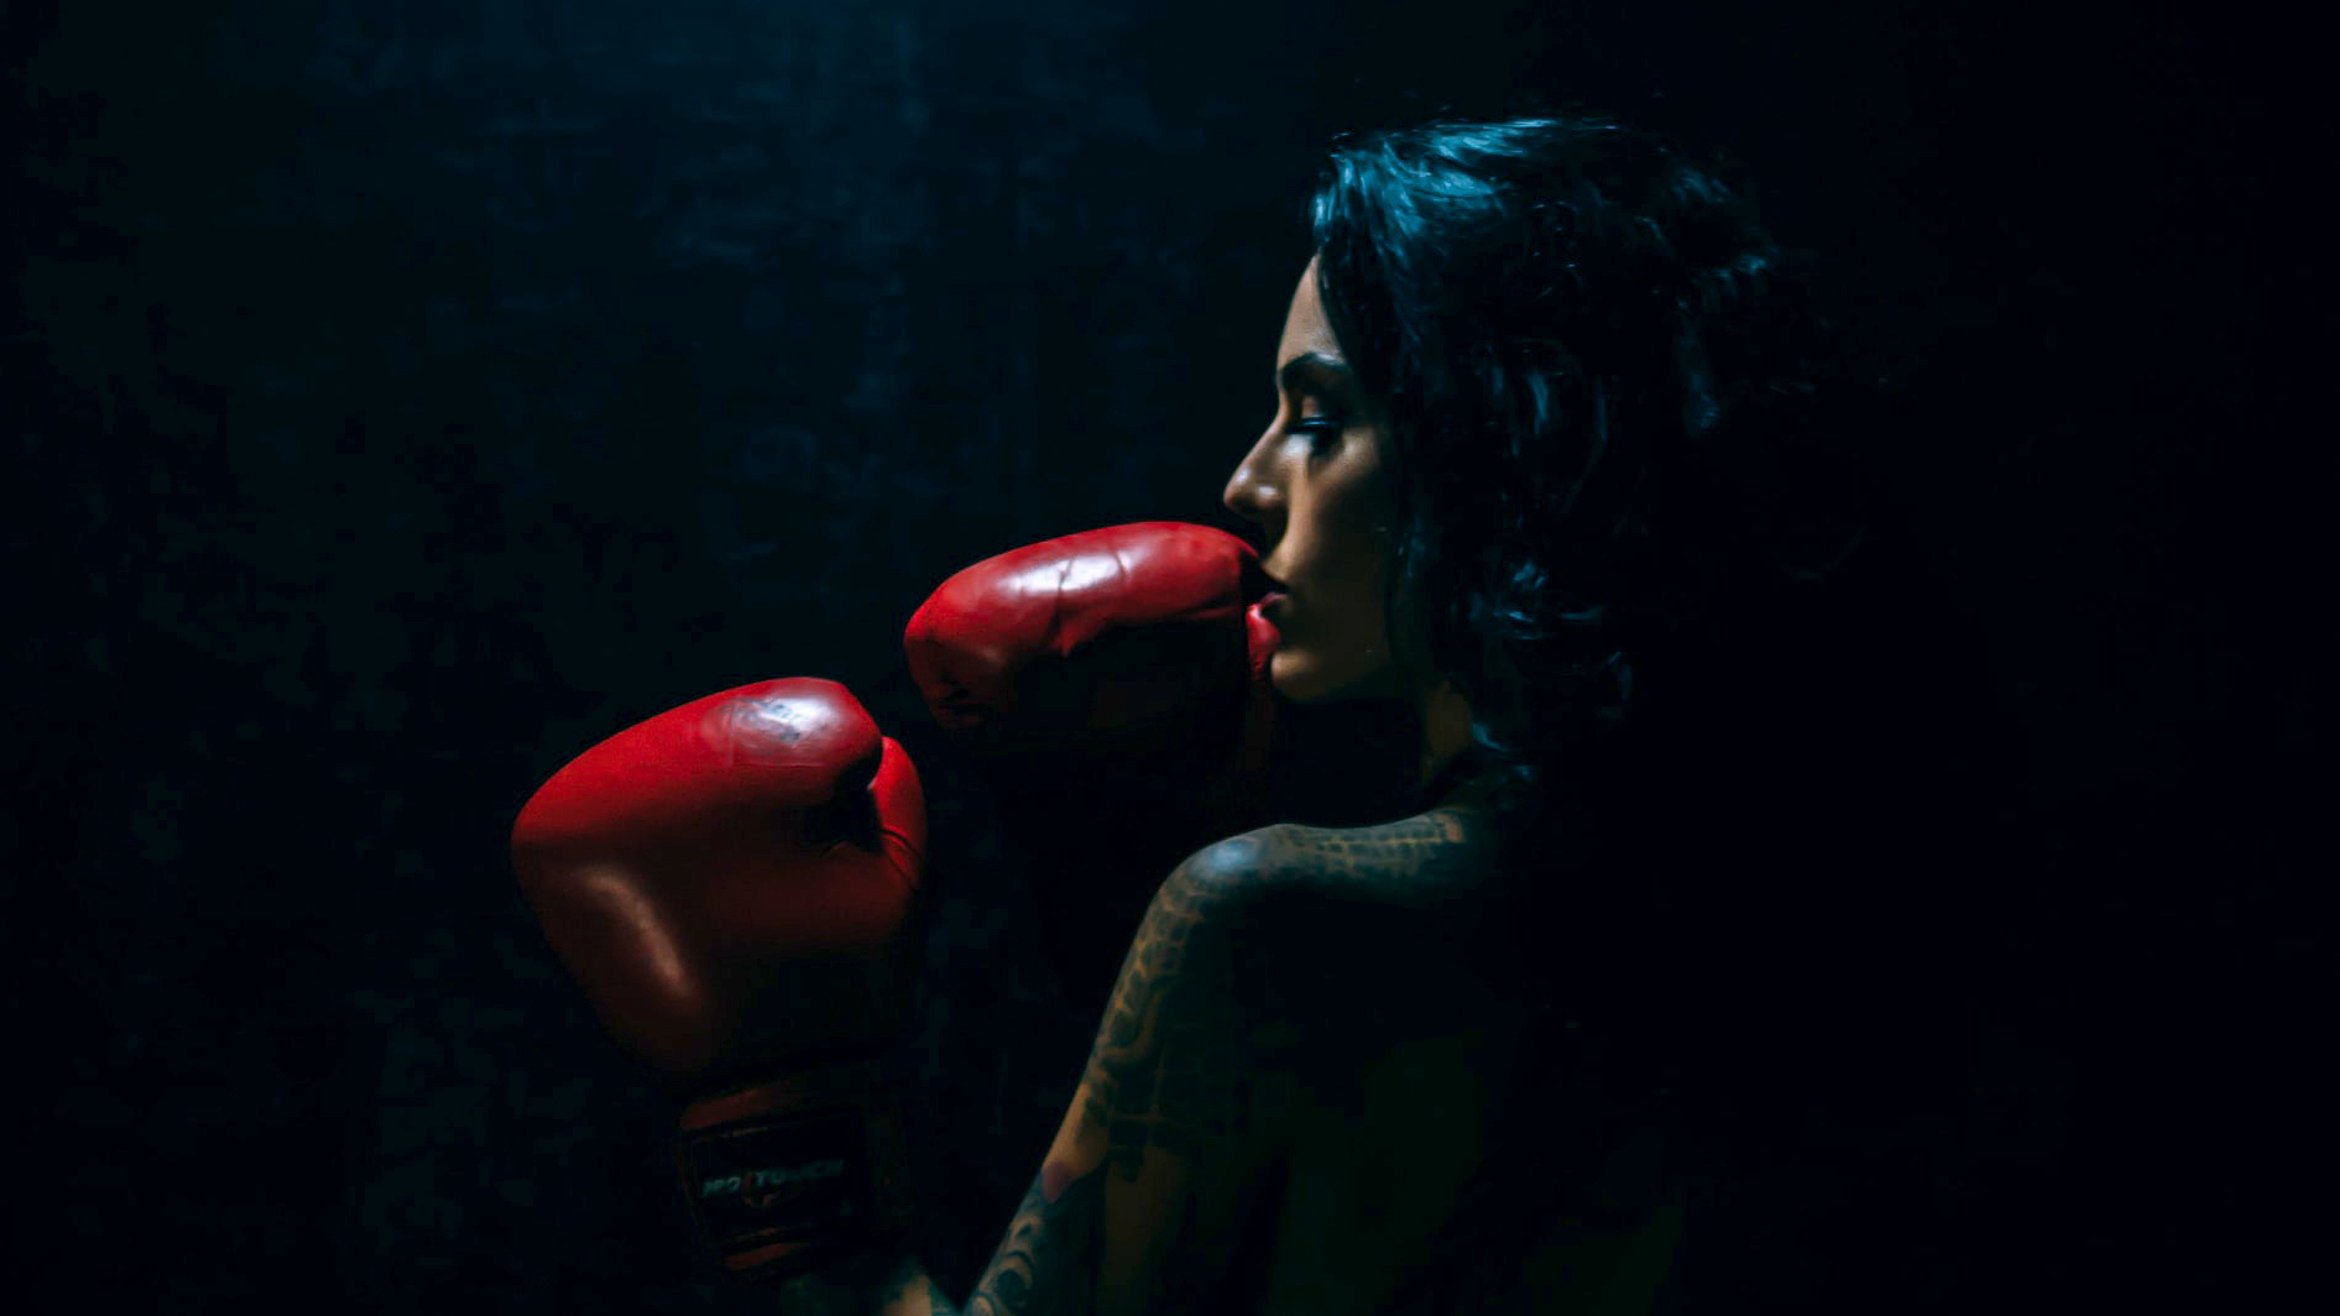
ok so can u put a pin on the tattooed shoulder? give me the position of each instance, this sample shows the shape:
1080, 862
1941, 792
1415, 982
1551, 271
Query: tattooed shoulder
1429, 859
1397, 923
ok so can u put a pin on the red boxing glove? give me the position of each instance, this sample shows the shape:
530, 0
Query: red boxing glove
1114, 685
1132, 644
727, 881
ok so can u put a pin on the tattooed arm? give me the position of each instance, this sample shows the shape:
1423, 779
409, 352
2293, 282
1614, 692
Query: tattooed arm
1171, 1125
1166, 1163
1161, 1140
1167, 1166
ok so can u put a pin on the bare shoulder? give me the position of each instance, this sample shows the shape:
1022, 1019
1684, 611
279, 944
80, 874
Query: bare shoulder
1410, 906
1430, 859
1385, 958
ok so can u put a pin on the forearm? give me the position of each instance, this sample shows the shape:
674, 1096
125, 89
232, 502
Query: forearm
1164, 1097
881, 1284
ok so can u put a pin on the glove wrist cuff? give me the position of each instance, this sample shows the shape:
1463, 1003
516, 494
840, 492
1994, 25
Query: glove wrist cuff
787, 1176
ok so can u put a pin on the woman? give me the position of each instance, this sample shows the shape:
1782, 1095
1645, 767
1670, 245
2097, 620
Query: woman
1545, 446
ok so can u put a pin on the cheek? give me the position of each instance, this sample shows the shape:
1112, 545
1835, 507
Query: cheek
1359, 512
1336, 640
1353, 545
1338, 647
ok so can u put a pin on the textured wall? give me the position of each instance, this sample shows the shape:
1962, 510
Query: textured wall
405, 395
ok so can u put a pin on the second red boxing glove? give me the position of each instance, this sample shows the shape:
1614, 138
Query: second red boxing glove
728, 881
1113, 689
1136, 644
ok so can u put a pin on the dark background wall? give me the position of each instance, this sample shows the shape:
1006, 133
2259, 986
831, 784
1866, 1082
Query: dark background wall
405, 395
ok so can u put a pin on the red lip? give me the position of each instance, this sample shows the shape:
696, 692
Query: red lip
1271, 599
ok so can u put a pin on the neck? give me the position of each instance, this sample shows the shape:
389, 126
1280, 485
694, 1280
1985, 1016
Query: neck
1446, 730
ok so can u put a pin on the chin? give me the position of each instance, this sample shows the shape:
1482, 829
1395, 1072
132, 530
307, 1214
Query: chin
1290, 675
1298, 678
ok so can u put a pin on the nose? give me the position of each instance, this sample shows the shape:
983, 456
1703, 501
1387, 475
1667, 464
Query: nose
1250, 493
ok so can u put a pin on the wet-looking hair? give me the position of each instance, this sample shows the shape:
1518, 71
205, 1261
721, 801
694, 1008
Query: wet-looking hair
1736, 731
1597, 375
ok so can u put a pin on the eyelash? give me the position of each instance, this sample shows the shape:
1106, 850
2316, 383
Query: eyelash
1322, 431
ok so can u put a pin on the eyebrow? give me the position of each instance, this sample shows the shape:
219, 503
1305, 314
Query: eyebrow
1317, 368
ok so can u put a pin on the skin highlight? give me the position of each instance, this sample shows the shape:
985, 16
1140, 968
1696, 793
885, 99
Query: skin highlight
1319, 484
1189, 1093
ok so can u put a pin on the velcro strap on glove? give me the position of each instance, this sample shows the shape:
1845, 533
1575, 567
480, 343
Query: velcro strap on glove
786, 1177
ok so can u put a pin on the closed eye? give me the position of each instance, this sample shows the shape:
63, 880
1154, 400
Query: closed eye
1322, 432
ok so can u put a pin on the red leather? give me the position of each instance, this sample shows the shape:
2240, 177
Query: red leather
677, 865
727, 881
1144, 632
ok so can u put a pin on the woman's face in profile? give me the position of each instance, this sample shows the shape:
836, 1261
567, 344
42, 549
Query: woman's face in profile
1317, 484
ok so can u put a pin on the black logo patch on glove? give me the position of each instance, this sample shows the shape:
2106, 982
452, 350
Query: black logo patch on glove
767, 1188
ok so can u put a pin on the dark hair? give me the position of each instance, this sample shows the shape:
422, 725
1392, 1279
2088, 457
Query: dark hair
1634, 531
1598, 373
